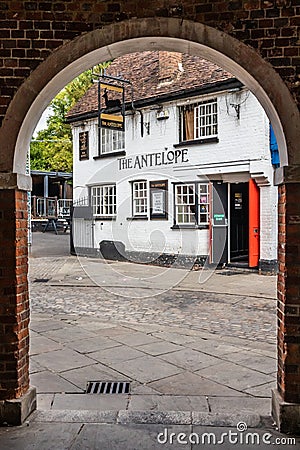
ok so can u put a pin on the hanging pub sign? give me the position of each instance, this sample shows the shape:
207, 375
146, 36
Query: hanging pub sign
83, 145
158, 199
111, 97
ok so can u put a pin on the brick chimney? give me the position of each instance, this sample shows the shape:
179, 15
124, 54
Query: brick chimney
169, 66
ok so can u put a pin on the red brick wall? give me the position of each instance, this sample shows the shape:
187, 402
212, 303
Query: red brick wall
14, 302
31, 30
289, 293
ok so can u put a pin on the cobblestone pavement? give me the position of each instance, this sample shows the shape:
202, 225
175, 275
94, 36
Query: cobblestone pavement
247, 317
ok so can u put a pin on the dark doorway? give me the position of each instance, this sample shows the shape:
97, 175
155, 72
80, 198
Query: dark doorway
219, 253
239, 222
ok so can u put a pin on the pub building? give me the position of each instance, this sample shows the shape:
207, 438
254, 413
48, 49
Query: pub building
173, 162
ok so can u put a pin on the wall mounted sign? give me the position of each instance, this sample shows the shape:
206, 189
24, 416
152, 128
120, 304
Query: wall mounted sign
83, 145
154, 159
111, 97
158, 199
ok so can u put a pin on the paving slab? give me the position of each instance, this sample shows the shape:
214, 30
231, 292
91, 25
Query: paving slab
144, 327
60, 360
92, 344
263, 390
44, 401
142, 389
159, 348
168, 403
69, 333
122, 437
234, 376
212, 347
90, 402
135, 339
253, 361
117, 354
74, 416
223, 405
45, 324
48, 382
146, 369
96, 325
116, 331
175, 338
35, 367
188, 383
95, 372
41, 344
58, 436
190, 359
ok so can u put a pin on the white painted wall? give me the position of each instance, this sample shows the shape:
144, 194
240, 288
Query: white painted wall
242, 151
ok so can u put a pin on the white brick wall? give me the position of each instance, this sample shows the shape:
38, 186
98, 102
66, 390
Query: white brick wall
243, 144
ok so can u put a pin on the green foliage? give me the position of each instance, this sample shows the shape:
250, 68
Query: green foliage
51, 149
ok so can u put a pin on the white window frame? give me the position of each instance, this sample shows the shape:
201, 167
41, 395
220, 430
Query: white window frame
104, 200
184, 200
140, 198
203, 203
112, 141
206, 119
192, 204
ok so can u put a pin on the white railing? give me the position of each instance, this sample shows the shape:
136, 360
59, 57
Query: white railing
64, 207
50, 207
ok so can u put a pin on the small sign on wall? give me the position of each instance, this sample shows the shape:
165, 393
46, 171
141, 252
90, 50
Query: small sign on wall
83, 145
159, 199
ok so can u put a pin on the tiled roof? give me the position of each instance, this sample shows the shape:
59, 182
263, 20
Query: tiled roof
154, 74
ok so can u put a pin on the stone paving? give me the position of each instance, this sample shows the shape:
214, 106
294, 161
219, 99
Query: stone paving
200, 358
182, 348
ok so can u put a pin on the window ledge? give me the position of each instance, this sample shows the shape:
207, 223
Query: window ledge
110, 155
137, 218
97, 218
197, 142
189, 227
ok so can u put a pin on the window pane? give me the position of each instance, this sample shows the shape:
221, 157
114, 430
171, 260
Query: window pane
139, 191
112, 140
206, 119
104, 200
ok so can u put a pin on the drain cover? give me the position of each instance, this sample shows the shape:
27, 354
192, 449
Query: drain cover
108, 387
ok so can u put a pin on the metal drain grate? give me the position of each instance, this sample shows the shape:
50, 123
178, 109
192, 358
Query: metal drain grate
108, 387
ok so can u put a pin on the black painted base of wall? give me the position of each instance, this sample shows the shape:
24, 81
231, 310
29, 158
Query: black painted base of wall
167, 260
115, 251
268, 267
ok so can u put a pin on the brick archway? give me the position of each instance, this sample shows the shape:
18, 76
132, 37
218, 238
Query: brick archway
145, 34
109, 42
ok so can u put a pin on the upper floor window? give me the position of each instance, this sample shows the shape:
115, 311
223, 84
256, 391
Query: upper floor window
199, 121
112, 141
140, 198
104, 200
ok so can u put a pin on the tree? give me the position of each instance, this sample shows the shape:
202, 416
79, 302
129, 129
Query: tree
51, 150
